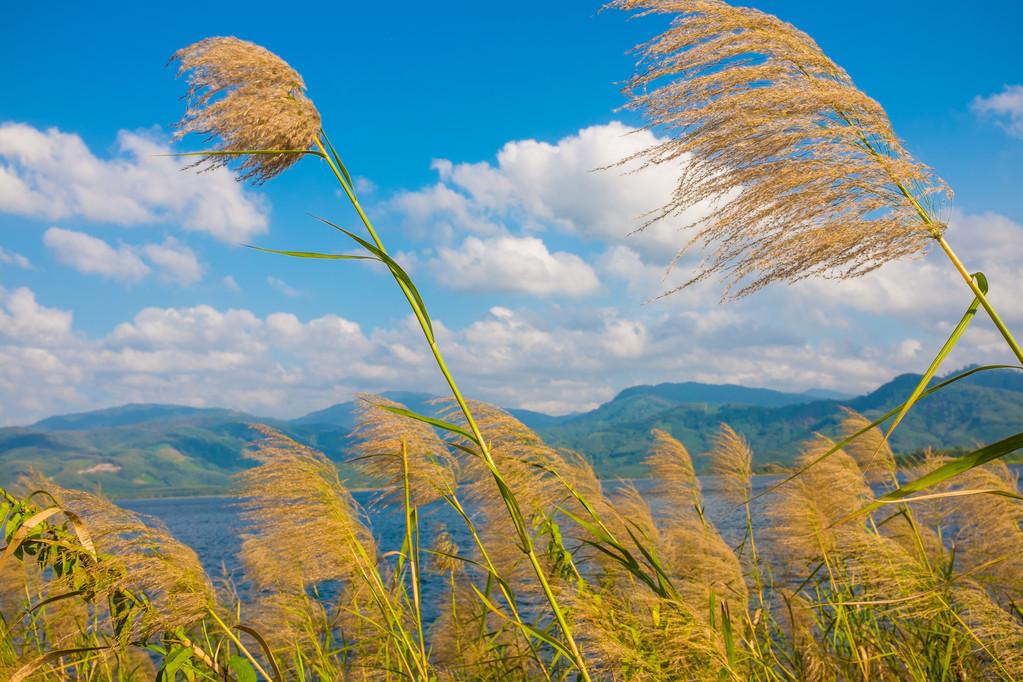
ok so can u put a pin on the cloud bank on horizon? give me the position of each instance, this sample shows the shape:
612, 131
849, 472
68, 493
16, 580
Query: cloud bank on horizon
538, 228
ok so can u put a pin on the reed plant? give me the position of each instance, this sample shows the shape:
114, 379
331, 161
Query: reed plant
653, 589
800, 171
552, 573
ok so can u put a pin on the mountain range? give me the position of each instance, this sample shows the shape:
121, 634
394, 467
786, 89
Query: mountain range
143, 450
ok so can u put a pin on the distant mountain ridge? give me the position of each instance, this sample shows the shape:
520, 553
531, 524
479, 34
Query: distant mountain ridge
152, 449
126, 415
691, 392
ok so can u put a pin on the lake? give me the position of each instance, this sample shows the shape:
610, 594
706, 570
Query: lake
212, 525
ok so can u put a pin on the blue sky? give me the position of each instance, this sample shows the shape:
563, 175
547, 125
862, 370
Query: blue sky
474, 128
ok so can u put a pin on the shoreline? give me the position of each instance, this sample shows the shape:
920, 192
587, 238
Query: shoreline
227, 494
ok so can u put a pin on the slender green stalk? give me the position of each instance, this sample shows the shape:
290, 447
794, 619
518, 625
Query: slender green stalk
936, 232
480, 441
238, 643
412, 545
1006, 334
492, 575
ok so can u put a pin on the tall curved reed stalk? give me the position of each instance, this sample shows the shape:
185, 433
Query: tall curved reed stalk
254, 105
803, 170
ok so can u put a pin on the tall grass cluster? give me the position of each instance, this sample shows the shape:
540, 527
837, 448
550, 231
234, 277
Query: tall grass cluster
854, 567
649, 586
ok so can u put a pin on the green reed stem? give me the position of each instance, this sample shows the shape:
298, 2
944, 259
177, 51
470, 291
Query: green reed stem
935, 229
509, 499
992, 313
492, 575
238, 643
412, 546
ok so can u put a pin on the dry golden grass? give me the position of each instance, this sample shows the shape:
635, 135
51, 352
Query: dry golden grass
379, 437
525, 462
139, 556
671, 467
805, 511
871, 449
731, 459
303, 525
881, 596
246, 99
632, 635
802, 169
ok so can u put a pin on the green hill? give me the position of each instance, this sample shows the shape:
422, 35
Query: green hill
151, 450
979, 409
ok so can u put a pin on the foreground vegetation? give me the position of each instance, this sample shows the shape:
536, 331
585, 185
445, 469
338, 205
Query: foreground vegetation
649, 587
560, 578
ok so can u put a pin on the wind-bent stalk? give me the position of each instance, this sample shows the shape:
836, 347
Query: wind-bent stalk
255, 105
511, 504
984, 302
803, 169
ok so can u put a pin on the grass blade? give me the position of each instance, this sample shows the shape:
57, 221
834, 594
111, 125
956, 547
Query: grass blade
880, 420
313, 254
945, 472
439, 423
398, 272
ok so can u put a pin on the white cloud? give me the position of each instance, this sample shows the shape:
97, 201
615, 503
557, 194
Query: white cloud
282, 286
14, 258
91, 255
929, 288
178, 262
512, 264
231, 283
557, 360
22, 319
53, 175
365, 186
535, 185
1006, 107
175, 261
625, 338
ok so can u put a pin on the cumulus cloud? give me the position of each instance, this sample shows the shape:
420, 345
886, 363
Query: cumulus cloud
178, 262
492, 227
91, 255
535, 185
53, 175
87, 254
22, 319
1005, 107
512, 264
556, 360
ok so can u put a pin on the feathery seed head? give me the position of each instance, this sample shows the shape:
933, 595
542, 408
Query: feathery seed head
803, 171
304, 525
870, 449
732, 460
672, 468
249, 100
379, 435
138, 556
803, 519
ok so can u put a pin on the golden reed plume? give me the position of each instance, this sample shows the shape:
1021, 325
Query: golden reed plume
250, 101
731, 459
138, 556
671, 467
303, 524
802, 171
379, 438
